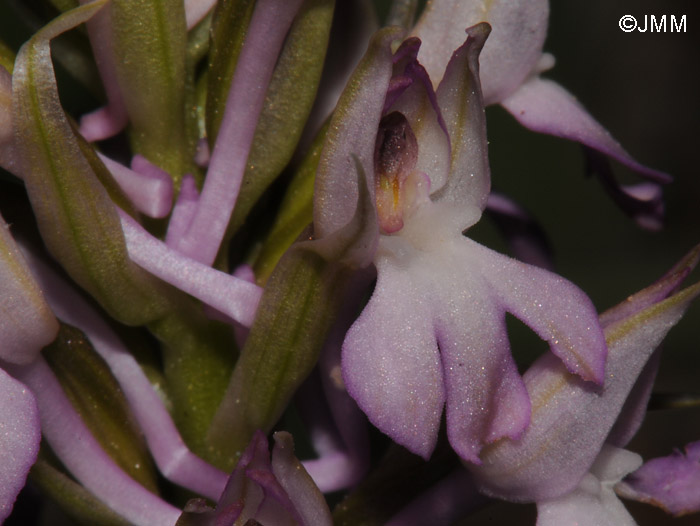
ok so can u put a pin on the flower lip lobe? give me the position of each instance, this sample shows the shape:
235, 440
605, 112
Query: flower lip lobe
395, 156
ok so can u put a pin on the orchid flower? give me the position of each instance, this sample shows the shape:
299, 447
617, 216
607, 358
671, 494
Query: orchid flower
511, 64
433, 332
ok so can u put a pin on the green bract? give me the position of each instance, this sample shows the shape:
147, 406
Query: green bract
71, 191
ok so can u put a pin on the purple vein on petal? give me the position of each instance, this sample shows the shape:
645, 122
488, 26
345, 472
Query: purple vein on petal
80, 452
268, 28
234, 297
148, 187
177, 463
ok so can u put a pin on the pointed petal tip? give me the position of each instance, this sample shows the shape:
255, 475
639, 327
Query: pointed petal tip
479, 32
544, 106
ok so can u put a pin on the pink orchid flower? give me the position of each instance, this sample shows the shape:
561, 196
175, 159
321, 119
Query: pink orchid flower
433, 334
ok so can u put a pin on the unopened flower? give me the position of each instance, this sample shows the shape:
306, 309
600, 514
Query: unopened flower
264, 491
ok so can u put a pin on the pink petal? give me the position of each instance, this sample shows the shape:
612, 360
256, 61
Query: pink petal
82, 455
634, 411
234, 297
20, 434
391, 365
459, 97
486, 397
672, 483
272, 492
543, 106
556, 309
104, 122
26, 321
183, 211
149, 188
175, 461
107, 121
570, 419
417, 101
511, 53
268, 27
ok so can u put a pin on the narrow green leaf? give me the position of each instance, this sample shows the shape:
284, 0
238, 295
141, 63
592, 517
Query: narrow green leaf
150, 39
198, 357
66, 185
299, 304
228, 31
289, 99
98, 399
294, 317
295, 214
